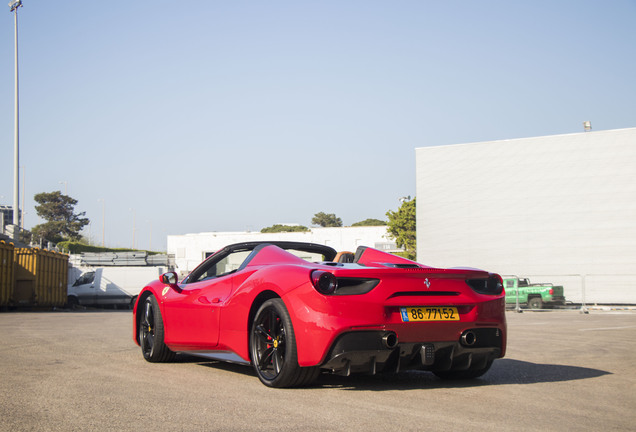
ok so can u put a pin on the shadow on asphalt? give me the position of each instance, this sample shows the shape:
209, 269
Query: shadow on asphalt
509, 371
503, 372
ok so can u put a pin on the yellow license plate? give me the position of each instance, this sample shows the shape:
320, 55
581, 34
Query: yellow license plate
414, 314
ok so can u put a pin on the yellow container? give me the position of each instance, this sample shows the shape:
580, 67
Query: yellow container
40, 277
6, 272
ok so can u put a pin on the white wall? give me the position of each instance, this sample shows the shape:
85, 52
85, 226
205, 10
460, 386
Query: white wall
190, 249
556, 208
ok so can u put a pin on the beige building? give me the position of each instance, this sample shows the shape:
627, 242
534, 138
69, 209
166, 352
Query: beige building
558, 209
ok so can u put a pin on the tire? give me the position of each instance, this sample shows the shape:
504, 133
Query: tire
72, 302
535, 303
273, 348
151, 333
469, 373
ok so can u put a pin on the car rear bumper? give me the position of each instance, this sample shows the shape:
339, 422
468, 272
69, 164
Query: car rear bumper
557, 300
376, 351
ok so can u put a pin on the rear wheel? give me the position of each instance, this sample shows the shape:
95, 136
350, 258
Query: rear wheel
469, 373
535, 303
151, 332
273, 348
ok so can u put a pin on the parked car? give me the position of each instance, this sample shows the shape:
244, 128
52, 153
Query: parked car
292, 312
532, 295
98, 286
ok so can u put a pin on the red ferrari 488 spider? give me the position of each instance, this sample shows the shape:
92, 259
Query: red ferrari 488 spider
291, 311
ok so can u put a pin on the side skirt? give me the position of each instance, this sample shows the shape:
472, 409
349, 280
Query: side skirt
226, 356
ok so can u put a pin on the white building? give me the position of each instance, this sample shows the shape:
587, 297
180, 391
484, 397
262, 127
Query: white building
190, 249
558, 209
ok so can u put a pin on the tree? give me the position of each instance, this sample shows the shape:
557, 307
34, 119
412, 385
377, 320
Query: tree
326, 220
369, 222
61, 221
278, 228
401, 227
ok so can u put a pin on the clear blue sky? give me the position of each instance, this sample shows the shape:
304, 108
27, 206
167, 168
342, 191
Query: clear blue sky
227, 116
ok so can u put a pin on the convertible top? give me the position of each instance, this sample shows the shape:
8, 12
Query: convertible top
328, 252
254, 248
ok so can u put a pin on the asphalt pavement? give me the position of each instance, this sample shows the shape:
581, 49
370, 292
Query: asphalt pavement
80, 370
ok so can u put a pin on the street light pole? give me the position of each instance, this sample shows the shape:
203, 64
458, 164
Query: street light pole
103, 218
14, 5
23, 191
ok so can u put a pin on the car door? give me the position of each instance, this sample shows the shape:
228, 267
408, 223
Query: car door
107, 290
511, 290
192, 315
110, 290
84, 287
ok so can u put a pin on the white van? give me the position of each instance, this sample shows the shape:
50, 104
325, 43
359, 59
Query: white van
92, 286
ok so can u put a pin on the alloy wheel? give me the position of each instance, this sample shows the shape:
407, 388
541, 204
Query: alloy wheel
270, 343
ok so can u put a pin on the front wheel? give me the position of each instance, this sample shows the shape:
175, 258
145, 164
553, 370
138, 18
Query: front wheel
273, 348
72, 302
151, 333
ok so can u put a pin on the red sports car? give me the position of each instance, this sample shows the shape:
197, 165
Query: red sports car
292, 312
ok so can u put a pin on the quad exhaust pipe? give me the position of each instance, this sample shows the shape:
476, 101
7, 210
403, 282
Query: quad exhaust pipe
390, 340
468, 338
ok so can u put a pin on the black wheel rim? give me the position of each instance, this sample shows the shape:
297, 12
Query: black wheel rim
269, 343
147, 329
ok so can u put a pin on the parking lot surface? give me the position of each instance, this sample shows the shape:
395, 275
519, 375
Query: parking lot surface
80, 370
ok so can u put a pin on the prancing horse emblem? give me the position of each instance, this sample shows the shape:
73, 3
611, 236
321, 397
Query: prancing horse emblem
427, 283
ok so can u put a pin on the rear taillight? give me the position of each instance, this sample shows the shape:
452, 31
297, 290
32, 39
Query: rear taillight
551, 291
492, 285
328, 284
353, 286
324, 282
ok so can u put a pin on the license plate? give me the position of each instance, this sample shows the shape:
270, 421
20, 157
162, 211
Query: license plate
414, 314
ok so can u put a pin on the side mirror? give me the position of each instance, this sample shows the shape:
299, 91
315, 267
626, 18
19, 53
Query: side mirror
171, 280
